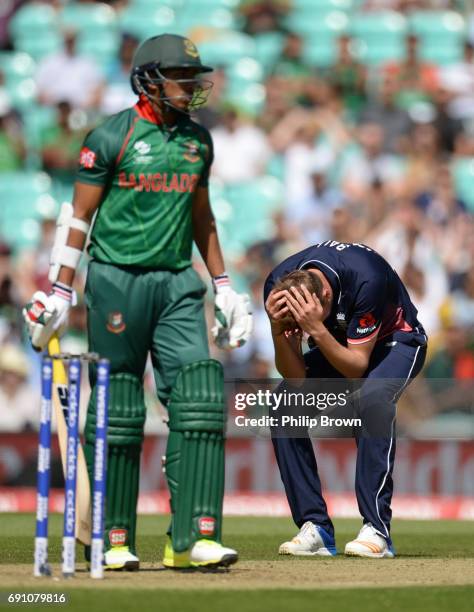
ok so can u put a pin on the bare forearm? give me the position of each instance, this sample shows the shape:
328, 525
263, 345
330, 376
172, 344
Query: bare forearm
288, 359
349, 363
207, 241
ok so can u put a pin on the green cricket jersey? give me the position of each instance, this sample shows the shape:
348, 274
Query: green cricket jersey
150, 173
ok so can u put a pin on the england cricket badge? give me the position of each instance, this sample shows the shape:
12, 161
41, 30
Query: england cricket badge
115, 323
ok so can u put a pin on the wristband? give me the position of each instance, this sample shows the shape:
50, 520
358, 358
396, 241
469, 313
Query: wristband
63, 291
221, 283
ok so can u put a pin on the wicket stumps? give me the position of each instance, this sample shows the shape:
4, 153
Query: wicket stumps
41, 566
100, 470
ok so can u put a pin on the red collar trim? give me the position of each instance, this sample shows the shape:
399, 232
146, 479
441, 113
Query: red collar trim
145, 110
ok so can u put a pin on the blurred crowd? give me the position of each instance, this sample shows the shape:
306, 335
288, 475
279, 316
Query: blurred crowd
382, 155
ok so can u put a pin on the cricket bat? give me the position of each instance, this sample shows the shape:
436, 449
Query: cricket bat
60, 405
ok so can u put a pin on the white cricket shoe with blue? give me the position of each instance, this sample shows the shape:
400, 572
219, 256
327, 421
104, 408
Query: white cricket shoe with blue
311, 540
369, 543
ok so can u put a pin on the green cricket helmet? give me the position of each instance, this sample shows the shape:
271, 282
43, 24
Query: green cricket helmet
168, 51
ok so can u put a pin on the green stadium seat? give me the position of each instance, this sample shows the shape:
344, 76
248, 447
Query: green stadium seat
320, 42
322, 6
144, 23
245, 70
380, 36
89, 17
249, 99
39, 47
433, 27
16, 66
22, 94
463, 173
209, 5
35, 121
101, 48
18, 69
276, 166
151, 5
253, 205
226, 48
35, 20
25, 198
195, 17
268, 47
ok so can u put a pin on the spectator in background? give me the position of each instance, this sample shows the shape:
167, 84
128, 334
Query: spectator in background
300, 135
458, 79
423, 154
383, 110
448, 222
116, 93
311, 217
369, 163
7, 8
290, 64
60, 148
33, 264
12, 145
10, 324
19, 403
406, 244
462, 301
66, 76
241, 150
349, 76
416, 80
263, 15
447, 126
454, 357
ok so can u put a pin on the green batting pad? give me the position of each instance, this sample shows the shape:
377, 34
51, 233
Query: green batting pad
124, 439
195, 453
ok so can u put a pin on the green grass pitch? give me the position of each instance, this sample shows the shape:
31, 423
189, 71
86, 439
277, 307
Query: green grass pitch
433, 571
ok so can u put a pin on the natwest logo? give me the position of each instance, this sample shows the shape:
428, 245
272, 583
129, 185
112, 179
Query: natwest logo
207, 525
118, 537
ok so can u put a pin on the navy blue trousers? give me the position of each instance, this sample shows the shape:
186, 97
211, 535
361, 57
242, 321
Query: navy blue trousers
393, 364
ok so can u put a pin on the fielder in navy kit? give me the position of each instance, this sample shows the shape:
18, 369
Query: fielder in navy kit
362, 324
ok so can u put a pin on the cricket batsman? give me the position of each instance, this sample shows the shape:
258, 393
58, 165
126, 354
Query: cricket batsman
142, 185
362, 325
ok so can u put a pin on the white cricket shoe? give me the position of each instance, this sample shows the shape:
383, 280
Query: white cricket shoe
369, 543
207, 553
311, 540
120, 558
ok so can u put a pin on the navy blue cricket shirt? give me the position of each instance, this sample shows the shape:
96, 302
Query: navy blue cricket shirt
369, 297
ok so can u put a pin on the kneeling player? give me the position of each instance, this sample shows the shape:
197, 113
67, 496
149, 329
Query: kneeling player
349, 292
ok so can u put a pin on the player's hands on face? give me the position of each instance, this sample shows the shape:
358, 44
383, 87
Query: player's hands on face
305, 307
278, 311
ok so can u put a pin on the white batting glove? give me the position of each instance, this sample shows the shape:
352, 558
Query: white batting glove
46, 315
233, 322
